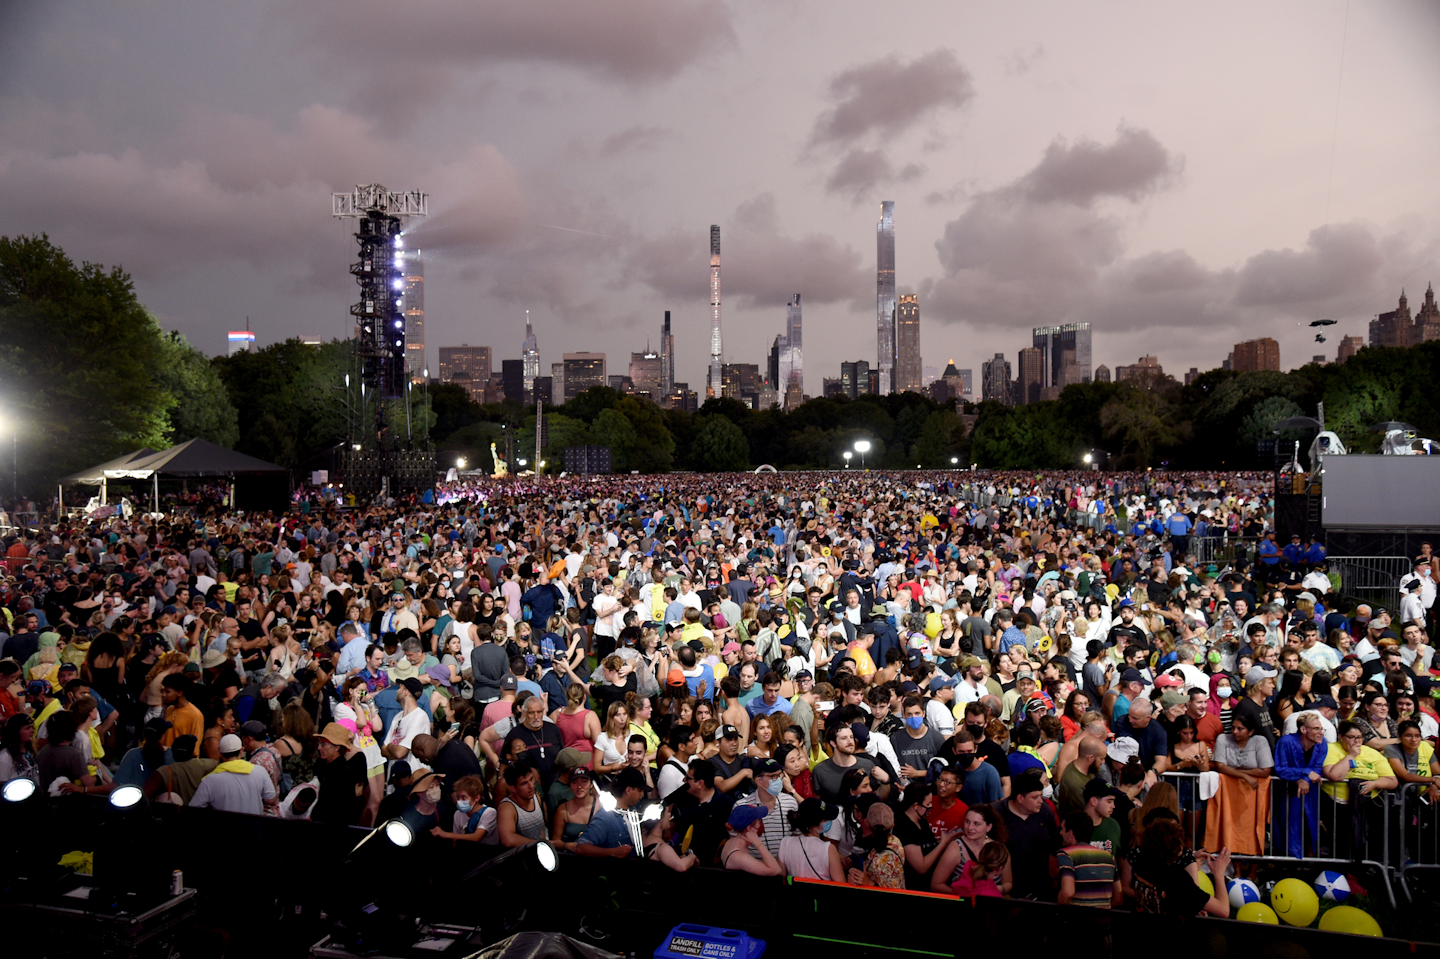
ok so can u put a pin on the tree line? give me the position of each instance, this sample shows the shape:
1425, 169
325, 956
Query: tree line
87, 373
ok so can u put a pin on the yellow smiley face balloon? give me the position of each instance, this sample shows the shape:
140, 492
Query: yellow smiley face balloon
1294, 902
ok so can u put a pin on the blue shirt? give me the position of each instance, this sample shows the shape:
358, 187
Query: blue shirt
757, 707
982, 785
607, 829
1152, 739
1179, 524
352, 656
1013, 636
707, 674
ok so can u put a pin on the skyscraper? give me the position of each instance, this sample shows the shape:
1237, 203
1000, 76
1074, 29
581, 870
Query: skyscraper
794, 341
1349, 346
468, 366
512, 379
582, 371
646, 374
907, 344
885, 296
240, 341
414, 279
714, 384
1066, 352
530, 354
995, 379
1030, 377
667, 358
855, 378
557, 384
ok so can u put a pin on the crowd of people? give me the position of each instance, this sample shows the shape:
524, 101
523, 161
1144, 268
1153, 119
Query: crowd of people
875, 679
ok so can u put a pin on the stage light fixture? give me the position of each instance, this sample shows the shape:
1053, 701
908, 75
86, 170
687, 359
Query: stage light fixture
19, 790
126, 796
399, 833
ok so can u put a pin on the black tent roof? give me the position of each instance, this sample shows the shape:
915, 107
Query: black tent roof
92, 476
197, 457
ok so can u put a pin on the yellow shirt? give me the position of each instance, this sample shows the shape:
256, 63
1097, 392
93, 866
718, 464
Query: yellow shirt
1369, 766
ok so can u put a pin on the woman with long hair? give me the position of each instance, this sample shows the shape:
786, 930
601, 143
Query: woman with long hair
805, 853
762, 738
1073, 713
1373, 718
608, 754
1293, 697
221, 723
578, 726
1159, 871
17, 750
980, 827
104, 668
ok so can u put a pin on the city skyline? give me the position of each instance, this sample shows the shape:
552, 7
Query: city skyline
571, 174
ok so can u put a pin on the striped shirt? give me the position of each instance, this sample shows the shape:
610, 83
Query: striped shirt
1093, 871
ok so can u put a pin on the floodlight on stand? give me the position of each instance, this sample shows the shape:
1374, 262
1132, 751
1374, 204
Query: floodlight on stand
607, 801
19, 790
399, 832
126, 796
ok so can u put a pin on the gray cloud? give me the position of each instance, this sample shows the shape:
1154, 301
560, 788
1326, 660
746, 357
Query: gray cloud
633, 139
887, 97
762, 265
1336, 259
859, 171
1020, 60
1133, 166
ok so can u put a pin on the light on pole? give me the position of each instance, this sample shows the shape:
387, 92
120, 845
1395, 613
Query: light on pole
848, 454
460, 463
954, 460
862, 447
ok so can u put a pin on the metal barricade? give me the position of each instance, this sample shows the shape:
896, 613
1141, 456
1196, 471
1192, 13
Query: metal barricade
1416, 858
1373, 579
1318, 830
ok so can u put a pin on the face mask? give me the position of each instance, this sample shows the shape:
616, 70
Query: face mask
774, 786
464, 805
1222, 691
1047, 792
914, 722
976, 731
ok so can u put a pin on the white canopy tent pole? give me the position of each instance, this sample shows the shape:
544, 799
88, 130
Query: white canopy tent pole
156, 501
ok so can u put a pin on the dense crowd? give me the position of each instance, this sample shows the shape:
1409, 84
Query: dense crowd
877, 679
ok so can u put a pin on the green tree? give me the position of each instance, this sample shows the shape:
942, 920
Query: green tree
939, 440
1260, 425
612, 429
1142, 421
77, 353
201, 404
589, 404
653, 449
719, 446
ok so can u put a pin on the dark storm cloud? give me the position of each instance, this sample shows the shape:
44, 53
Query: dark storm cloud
887, 96
762, 265
1133, 166
862, 170
628, 40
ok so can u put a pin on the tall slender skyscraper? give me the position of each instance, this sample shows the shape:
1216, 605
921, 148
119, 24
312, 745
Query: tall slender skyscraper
714, 384
530, 354
1066, 353
793, 340
885, 296
667, 357
907, 344
414, 279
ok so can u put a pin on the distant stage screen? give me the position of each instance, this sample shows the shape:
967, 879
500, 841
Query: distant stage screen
1381, 492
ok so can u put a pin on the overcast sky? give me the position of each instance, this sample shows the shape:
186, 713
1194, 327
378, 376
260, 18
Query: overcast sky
1181, 176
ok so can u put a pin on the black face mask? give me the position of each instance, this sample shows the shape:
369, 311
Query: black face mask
965, 759
976, 731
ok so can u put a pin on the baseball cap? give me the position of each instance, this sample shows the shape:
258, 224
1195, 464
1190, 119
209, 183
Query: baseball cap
1132, 675
727, 732
582, 771
1258, 674
1123, 749
730, 647
254, 729
1096, 789
766, 767
743, 817
400, 770
1326, 701
414, 686
970, 661
230, 743
1172, 697
804, 674
862, 733
1127, 601
506, 683
938, 683
675, 677
909, 687
1166, 681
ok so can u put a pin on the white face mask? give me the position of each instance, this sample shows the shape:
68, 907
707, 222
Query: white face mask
1222, 691
1047, 792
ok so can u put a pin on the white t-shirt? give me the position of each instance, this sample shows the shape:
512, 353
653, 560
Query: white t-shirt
671, 778
406, 726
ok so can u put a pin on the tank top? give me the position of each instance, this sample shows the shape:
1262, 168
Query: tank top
572, 730
529, 823
573, 830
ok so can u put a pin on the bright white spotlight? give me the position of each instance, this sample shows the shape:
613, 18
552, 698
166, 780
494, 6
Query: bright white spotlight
399, 284
399, 833
652, 813
862, 446
545, 856
126, 796
19, 790
607, 801
399, 243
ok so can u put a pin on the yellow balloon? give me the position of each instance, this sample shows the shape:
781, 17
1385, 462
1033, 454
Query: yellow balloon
1257, 912
1357, 922
1295, 901
932, 625
1202, 879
